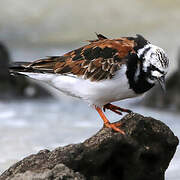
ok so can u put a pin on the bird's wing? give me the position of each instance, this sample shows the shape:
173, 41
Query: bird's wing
96, 61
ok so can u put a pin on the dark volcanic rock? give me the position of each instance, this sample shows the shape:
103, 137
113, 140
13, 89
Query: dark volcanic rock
4, 73
171, 99
22, 87
143, 153
4, 62
16, 86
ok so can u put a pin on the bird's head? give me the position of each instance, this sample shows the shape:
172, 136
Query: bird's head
155, 64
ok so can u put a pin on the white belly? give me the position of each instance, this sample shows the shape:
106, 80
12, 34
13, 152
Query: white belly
95, 93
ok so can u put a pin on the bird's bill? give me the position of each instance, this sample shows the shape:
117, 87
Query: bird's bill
162, 83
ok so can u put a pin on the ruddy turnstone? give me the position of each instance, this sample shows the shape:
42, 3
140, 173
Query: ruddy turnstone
104, 71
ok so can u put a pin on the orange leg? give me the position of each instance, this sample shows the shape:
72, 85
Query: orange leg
113, 126
115, 109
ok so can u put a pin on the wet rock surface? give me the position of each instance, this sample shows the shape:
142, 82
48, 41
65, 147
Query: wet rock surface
144, 153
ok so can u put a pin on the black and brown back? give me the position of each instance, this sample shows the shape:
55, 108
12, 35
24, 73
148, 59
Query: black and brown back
98, 60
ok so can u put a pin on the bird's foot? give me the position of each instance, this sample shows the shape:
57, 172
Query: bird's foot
115, 109
115, 126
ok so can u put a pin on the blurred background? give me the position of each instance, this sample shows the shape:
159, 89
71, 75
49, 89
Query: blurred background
34, 116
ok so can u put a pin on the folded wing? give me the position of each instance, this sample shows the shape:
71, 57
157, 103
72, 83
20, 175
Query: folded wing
99, 60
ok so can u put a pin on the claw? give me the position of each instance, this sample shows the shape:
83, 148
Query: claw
114, 126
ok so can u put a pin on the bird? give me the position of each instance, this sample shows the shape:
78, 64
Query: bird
101, 72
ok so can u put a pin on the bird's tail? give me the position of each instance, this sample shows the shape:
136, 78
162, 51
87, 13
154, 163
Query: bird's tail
18, 68
40, 66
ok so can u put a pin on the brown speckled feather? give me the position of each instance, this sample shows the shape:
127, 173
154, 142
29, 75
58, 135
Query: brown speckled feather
96, 61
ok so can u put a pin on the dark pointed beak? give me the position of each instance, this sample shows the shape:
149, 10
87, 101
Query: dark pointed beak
162, 83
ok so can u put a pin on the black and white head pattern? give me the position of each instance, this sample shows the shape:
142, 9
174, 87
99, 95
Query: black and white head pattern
155, 61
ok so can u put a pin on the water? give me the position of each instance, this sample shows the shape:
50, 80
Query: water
29, 126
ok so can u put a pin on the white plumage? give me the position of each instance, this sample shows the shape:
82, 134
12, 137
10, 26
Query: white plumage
95, 93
